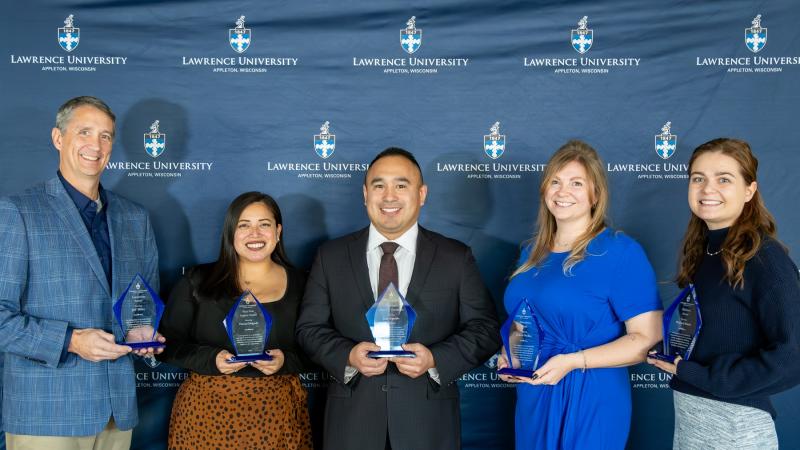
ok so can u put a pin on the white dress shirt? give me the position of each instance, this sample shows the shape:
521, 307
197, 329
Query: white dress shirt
405, 255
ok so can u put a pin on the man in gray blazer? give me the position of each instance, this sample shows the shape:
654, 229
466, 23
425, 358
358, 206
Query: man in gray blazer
69, 249
399, 403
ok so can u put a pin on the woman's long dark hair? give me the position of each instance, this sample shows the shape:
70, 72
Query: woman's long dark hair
223, 280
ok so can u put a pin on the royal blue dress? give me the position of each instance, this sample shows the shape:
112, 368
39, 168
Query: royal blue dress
592, 409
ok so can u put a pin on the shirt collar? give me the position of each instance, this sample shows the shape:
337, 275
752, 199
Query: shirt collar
81, 201
407, 240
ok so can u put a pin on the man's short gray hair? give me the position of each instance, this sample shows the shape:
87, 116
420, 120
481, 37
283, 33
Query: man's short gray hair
64, 113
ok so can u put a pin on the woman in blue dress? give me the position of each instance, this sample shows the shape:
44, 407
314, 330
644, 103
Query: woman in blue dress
594, 294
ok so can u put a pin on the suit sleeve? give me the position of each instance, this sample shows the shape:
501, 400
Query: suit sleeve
151, 258
478, 335
315, 330
39, 340
179, 318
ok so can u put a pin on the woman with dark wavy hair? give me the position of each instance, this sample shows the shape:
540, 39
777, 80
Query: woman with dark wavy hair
238, 405
594, 293
749, 295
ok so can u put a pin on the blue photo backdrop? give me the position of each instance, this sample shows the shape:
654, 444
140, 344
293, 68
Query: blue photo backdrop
295, 98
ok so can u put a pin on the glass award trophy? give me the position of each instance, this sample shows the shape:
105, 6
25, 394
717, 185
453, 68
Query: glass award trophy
522, 340
391, 319
138, 312
682, 324
248, 324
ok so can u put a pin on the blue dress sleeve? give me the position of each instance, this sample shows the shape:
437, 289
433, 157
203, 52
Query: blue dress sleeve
633, 290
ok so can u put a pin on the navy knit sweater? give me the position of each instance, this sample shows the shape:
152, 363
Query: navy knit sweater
749, 345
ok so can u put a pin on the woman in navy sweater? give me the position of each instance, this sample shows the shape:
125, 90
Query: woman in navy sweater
749, 296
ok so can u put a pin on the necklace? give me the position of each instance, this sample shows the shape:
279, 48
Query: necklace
710, 253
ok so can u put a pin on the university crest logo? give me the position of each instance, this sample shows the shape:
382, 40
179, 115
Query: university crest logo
491, 363
69, 36
324, 142
666, 143
151, 361
411, 37
494, 144
755, 37
583, 37
155, 142
239, 37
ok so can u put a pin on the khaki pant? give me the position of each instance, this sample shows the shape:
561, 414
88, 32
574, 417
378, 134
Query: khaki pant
112, 438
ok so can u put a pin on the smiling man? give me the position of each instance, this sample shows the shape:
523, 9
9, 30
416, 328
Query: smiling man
70, 248
399, 403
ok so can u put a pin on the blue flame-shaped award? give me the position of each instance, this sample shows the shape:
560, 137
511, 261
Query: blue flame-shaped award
391, 319
138, 312
682, 323
522, 341
248, 325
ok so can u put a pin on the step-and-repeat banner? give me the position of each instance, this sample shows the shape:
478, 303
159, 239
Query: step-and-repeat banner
295, 98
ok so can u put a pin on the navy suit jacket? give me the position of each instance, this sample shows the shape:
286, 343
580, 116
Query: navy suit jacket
51, 278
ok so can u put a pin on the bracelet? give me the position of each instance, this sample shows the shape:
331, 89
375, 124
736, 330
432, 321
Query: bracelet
584, 361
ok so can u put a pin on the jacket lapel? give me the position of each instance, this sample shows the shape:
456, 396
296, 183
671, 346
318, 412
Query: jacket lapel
65, 208
115, 228
357, 248
426, 249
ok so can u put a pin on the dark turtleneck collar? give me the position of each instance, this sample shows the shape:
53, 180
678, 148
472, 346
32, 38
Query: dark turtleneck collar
716, 238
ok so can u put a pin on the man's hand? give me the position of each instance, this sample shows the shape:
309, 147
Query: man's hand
368, 367
414, 367
96, 345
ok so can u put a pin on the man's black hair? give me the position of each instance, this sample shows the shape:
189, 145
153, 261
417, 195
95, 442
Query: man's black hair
396, 151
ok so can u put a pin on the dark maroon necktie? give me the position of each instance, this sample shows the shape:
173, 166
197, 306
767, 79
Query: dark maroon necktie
388, 270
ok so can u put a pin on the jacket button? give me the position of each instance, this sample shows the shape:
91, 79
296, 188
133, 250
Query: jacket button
385, 388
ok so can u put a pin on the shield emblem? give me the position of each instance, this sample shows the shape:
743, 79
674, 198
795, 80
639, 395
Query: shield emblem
581, 40
324, 145
239, 38
69, 37
494, 146
755, 39
151, 361
666, 145
411, 40
155, 143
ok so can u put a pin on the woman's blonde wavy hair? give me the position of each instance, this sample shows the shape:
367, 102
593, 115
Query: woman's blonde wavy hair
544, 238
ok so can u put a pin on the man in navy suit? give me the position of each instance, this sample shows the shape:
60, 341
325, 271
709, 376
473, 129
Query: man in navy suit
401, 403
69, 249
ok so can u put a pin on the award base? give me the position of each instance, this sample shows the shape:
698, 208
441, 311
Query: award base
516, 372
250, 358
391, 354
663, 357
141, 345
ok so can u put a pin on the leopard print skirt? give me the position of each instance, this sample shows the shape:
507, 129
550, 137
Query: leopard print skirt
229, 412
